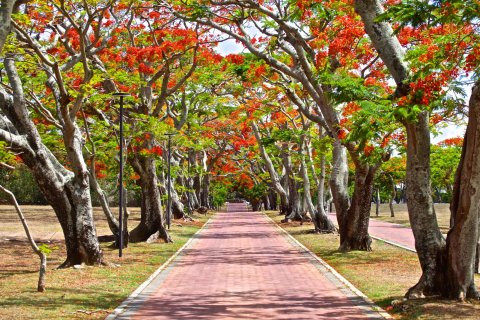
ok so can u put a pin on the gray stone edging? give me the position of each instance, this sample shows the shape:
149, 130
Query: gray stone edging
393, 243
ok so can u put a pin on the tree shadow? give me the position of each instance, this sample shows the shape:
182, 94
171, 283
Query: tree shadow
253, 304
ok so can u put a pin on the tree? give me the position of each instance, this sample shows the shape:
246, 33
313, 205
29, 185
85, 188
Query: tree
66, 190
6, 9
304, 58
447, 267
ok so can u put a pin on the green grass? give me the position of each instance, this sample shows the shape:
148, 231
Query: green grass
89, 293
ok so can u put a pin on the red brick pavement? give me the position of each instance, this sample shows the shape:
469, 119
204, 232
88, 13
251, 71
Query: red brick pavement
242, 267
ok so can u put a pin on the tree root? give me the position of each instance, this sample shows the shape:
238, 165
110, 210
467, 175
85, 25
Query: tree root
364, 244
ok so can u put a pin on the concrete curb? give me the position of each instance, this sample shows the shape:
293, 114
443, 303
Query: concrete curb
131, 298
334, 272
394, 244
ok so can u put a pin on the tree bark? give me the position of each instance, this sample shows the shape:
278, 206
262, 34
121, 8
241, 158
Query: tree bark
462, 239
294, 201
6, 10
392, 197
272, 195
320, 220
67, 192
205, 191
339, 182
354, 226
151, 219
178, 211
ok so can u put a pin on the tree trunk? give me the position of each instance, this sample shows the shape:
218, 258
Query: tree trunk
266, 202
151, 220
67, 192
429, 242
205, 193
275, 180
33, 244
321, 185
462, 239
256, 205
328, 201
354, 226
320, 220
392, 198
294, 205
178, 209
339, 181
477, 259
6, 10
272, 195
72, 205
321, 214
377, 203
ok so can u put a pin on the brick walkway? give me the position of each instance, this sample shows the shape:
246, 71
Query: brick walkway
242, 267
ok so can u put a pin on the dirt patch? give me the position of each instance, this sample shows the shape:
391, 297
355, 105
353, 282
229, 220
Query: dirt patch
44, 224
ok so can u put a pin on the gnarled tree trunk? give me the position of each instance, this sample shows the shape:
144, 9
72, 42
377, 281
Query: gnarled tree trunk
339, 181
320, 219
354, 226
67, 192
462, 239
151, 219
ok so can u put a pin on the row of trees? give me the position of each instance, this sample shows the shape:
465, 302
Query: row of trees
310, 101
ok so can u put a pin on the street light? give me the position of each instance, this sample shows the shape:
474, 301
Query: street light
188, 176
169, 183
120, 95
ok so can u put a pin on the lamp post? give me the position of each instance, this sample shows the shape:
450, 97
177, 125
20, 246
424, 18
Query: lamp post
169, 183
120, 95
188, 177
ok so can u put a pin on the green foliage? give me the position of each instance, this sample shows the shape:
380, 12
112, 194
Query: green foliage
220, 192
21, 183
443, 163
419, 12
45, 249
255, 193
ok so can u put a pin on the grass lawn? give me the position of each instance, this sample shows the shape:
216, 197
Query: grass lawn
385, 274
89, 293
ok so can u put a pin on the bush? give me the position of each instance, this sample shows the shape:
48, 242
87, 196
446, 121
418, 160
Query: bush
21, 183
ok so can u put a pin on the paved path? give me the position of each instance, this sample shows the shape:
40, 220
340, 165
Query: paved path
242, 267
393, 233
